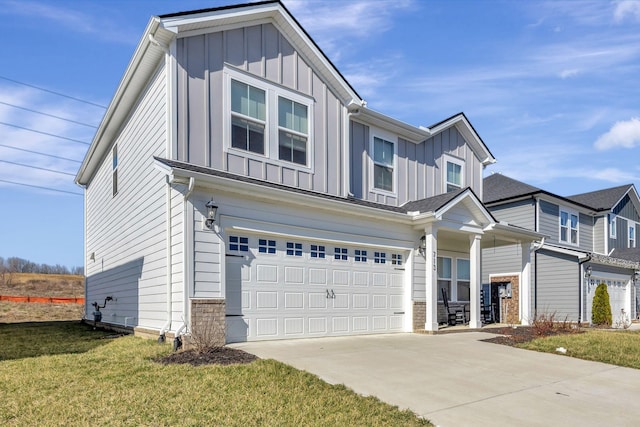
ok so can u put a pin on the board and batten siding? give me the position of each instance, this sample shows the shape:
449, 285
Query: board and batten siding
599, 232
549, 225
521, 213
419, 168
626, 212
261, 51
126, 233
558, 290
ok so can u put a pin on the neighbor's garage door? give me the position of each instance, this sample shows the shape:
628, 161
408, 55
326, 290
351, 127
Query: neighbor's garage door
617, 289
281, 288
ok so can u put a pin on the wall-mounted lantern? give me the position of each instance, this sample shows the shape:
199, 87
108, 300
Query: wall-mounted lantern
212, 208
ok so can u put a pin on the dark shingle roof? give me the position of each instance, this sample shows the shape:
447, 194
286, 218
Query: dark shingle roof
601, 199
628, 254
499, 187
430, 204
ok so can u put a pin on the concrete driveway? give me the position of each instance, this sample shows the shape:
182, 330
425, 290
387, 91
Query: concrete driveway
457, 380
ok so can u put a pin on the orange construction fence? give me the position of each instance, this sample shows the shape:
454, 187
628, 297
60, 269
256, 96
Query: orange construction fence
42, 300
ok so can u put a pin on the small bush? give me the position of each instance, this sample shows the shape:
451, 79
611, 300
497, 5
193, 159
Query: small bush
601, 310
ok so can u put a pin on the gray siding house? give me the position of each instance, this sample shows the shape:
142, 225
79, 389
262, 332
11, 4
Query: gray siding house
589, 239
237, 179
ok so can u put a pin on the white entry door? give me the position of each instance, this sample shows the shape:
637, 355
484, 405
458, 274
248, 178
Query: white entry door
279, 288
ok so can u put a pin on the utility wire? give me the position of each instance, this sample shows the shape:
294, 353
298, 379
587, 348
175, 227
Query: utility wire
37, 167
48, 115
42, 154
42, 188
45, 133
53, 92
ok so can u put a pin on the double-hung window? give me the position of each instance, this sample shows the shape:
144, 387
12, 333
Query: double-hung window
383, 152
632, 236
444, 277
293, 131
248, 117
463, 276
568, 227
454, 174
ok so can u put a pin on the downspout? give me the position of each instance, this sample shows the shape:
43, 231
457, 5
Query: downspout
185, 276
535, 259
580, 286
167, 325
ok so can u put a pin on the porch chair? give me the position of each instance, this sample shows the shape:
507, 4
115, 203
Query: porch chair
486, 311
453, 316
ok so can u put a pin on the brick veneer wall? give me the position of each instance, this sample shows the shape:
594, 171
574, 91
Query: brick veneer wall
208, 319
510, 306
420, 313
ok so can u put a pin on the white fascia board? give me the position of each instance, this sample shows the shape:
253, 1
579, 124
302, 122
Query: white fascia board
468, 195
515, 233
566, 203
469, 134
558, 249
132, 83
633, 195
284, 196
367, 116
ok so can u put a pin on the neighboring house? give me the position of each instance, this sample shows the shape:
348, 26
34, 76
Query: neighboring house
590, 239
237, 178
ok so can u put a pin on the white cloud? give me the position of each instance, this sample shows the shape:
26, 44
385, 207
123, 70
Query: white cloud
625, 134
564, 74
627, 8
614, 175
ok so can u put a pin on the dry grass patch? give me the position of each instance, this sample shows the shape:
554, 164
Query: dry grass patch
620, 348
11, 312
42, 285
116, 382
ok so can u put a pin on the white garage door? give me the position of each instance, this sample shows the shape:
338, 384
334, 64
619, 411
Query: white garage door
617, 289
281, 288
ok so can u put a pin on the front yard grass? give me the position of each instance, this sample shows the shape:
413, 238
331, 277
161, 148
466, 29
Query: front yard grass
620, 348
64, 373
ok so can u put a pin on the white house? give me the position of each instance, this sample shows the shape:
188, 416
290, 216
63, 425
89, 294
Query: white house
238, 176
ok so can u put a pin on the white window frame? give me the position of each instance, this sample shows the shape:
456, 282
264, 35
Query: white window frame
457, 279
449, 279
389, 137
613, 225
632, 242
271, 133
569, 213
457, 161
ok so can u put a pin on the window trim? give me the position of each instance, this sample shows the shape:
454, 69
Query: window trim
273, 91
613, 226
632, 226
569, 213
389, 137
446, 158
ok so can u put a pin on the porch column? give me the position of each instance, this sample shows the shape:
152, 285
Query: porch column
431, 278
525, 285
475, 281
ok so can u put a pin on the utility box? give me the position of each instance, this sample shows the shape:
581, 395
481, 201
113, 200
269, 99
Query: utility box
504, 290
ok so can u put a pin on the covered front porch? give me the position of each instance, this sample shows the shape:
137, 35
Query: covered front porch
448, 264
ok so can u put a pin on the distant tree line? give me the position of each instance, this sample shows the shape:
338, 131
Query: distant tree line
20, 265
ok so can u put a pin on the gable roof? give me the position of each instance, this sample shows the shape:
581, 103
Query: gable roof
602, 200
498, 187
432, 204
464, 126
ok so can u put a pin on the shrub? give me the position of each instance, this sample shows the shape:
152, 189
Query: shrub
601, 310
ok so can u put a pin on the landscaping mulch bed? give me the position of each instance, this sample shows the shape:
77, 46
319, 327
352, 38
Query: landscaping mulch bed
513, 336
212, 356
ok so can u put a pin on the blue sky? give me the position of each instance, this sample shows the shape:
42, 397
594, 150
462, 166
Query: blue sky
553, 88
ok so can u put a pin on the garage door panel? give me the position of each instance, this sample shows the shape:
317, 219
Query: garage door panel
285, 296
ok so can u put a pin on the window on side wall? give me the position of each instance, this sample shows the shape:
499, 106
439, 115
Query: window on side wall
115, 169
569, 227
612, 226
383, 164
632, 236
454, 174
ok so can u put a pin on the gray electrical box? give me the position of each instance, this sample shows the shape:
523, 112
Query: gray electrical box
504, 291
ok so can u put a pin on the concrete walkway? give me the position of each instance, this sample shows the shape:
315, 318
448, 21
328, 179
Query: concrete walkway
457, 380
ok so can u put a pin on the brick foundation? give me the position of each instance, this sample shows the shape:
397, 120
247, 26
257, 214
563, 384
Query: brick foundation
420, 313
208, 320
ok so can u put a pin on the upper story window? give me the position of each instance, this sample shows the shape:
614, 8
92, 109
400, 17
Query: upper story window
115, 169
454, 173
383, 151
248, 117
568, 226
292, 131
612, 226
268, 120
632, 236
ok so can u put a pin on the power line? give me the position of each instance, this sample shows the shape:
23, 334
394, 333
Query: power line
42, 154
47, 114
37, 167
53, 92
44, 133
42, 188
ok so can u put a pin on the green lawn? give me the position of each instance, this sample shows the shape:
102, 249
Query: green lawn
64, 373
620, 348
